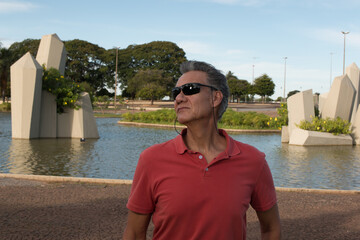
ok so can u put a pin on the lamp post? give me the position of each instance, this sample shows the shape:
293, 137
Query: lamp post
331, 67
284, 77
344, 50
116, 76
253, 70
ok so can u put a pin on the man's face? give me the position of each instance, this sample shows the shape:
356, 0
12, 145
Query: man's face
190, 108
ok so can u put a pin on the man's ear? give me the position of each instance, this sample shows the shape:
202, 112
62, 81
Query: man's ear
217, 98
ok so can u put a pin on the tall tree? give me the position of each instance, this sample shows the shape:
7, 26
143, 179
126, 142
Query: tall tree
264, 86
5, 63
18, 49
162, 55
149, 84
238, 87
87, 62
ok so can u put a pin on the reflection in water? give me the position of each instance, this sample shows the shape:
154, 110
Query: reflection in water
116, 153
320, 167
60, 157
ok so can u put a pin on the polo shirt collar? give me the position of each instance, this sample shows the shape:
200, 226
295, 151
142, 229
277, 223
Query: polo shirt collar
231, 147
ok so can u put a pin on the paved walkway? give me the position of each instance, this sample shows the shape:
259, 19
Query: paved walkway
32, 209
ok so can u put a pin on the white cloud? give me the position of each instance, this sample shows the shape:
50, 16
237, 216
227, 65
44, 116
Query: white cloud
6, 43
7, 6
195, 48
335, 36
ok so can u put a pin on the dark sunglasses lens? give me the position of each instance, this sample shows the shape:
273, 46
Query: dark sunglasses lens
191, 89
175, 91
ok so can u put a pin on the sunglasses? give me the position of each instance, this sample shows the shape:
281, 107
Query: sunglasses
189, 89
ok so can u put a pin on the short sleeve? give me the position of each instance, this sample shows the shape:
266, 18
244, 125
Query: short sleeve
141, 197
264, 195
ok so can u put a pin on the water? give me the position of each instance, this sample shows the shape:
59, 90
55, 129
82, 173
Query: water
116, 153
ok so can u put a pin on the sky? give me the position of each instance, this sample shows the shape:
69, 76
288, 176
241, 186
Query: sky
298, 43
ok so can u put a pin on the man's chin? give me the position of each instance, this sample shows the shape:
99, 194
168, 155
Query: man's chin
183, 121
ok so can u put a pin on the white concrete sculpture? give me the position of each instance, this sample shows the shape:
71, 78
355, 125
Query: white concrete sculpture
356, 128
78, 123
285, 134
52, 53
34, 111
339, 102
300, 107
48, 118
322, 100
26, 84
353, 73
311, 138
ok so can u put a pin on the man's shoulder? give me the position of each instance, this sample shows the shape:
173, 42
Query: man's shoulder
249, 150
160, 148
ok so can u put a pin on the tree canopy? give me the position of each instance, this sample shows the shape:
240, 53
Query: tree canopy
5, 63
238, 87
264, 86
87, 62
18, 49
149, 84
166, 56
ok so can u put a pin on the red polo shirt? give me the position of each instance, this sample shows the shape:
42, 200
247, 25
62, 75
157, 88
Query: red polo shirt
191, 199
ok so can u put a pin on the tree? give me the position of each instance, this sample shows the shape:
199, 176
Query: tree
292, 93
149, 84
19, 49
5, 63
87, 62
162, 55
264, 86
237, 86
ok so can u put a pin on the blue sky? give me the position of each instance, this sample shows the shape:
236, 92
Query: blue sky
233, 35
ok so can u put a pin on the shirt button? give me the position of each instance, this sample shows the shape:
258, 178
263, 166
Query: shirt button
200, 157
206, 169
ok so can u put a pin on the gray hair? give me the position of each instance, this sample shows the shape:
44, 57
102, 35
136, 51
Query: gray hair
214, 77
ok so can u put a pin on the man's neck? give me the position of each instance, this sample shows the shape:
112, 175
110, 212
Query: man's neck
204, 137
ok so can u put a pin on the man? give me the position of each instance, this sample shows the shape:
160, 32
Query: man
199, 185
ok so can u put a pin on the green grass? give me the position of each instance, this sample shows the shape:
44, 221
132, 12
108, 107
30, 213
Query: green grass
107, 115
5, 107
230, 119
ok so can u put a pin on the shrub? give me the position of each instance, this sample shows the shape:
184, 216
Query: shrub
5, 107
281, 119
335, 126
66, 91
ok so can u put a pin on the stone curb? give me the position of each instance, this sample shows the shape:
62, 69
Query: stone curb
129, 182
178, 126
65, 179
309, 190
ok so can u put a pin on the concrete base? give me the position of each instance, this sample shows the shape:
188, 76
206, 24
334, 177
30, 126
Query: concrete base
284, 134
312, 138
48, 117
78, 123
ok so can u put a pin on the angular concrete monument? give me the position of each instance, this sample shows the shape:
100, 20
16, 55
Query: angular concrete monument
48, 117
78, 123
52, 53
353, 73
356, 128
285, 134
300, 107
322, 100
26, 84
312, 138
34, 111
339, 102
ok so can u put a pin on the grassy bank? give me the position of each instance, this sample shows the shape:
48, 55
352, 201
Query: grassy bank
230, 120
5, 107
